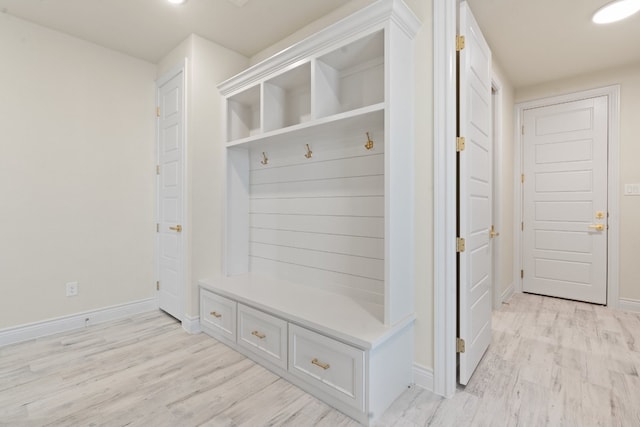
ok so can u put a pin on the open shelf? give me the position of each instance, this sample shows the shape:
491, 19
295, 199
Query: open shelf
287, 98
338, 124
243, 114
351, 76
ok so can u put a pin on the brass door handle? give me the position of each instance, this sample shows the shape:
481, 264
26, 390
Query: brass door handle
177, 228
597, 227
216, 314
493, 233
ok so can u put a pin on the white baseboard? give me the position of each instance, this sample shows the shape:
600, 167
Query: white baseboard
423, 377
507, 293
191, 324
629, 305
31, 331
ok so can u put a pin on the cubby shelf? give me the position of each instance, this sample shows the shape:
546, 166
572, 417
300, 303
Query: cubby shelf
337, 124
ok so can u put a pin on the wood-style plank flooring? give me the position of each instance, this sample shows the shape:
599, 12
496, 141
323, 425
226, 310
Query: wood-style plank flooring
551, 363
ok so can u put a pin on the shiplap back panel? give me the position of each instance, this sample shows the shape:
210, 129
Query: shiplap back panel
320, 221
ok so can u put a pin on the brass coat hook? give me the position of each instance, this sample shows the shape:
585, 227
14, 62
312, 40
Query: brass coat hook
264, 160
369, 144
309, 152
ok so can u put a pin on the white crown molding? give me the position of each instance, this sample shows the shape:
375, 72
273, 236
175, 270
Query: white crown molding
370, 18
35, 330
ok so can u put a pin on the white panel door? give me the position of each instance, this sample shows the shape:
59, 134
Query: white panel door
170, 196
565, 200
475, 188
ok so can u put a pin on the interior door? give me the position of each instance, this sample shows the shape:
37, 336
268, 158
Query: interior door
170, 195
565, 200
475, 188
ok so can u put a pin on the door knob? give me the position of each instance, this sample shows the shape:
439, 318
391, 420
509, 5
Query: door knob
493, 233
177, 228
597, 227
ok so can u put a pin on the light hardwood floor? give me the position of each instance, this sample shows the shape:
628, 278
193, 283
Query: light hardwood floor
551, 363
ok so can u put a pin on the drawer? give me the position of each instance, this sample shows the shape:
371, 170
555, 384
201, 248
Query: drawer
331, 366
263, 334
218, 315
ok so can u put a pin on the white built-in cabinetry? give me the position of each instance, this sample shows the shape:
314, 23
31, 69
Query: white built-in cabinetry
319, 259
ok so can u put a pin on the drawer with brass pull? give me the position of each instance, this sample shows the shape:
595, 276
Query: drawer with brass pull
330, 365
218, 315
263, 335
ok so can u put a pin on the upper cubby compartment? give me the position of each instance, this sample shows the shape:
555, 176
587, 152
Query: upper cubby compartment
243, 114
287, 98
350, 77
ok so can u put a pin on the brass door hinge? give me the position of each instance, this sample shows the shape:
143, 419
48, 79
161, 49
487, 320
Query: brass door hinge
522, 274
459, 43
157, 111
459, 345
522, 178
157, 228
460, 144
158, 285
157, 169
522, 129
460, 244
522, 226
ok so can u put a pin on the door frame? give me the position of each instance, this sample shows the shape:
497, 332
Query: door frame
168, 75
496, 141
613, 181
445, 15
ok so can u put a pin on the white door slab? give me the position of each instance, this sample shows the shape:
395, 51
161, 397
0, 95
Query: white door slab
565, 200
475, 189
170, 195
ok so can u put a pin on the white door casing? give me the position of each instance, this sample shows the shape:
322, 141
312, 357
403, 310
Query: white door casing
170, 191
565, 200
475, 188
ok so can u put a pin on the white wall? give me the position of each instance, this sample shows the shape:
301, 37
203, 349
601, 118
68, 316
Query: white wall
629, 80
76, 174
208, 65
505, 204
423, 110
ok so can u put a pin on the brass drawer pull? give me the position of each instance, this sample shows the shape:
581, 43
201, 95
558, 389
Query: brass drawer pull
216, 314
324, 366
258, 334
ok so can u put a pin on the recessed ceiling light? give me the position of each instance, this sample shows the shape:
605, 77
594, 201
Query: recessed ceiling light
616, 11
177, 1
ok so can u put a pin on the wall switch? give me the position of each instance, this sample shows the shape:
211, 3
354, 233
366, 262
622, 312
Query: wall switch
72, 289
632, 189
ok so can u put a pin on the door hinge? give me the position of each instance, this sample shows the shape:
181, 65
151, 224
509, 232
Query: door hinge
157, 111
522, 226
460, 244
522, 274
459, 345
460, 144
157, 169
522, 129
522, 178
459, 43
158, 285
157, 228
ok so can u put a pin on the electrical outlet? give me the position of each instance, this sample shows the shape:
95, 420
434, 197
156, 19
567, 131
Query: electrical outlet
72, 289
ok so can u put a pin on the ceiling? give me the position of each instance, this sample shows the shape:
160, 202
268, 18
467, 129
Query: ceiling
542, 40
149, 29
534, 41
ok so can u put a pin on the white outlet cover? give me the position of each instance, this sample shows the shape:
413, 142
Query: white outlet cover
632, 189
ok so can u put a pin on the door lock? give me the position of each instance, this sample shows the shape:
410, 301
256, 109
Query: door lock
177, 228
